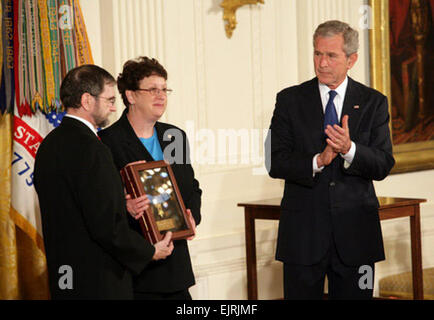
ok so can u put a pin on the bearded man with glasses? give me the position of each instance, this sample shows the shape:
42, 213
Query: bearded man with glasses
82, 200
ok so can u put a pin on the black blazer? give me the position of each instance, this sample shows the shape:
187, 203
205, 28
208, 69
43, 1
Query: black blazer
337, 202
83, 216
175, 272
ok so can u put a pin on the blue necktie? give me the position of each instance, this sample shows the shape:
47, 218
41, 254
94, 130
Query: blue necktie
330, 115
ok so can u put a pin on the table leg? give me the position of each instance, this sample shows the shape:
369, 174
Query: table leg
252, 280
416, 254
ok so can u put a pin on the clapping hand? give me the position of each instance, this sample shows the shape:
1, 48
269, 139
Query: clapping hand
339, 137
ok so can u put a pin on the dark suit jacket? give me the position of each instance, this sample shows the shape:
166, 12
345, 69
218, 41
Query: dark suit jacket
175, 272
83, 216
337, 202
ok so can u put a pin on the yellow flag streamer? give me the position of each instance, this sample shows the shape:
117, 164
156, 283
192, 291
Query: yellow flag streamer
84, 53
46, 52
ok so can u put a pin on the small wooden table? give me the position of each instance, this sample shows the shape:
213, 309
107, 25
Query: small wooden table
390, 208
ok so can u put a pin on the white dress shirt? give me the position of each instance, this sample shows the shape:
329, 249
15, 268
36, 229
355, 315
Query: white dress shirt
87, 123
339, 104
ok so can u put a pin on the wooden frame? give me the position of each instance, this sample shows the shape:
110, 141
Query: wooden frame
412, 156
166, 211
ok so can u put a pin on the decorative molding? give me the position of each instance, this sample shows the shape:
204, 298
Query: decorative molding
315, 12
202, 118
201, 98
138, 29
257, 63
232, 265
232, 245
229, 13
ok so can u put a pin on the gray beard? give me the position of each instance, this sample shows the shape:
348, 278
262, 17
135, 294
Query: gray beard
100, 121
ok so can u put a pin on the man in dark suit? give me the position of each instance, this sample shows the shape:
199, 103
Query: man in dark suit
329, 138
91, 251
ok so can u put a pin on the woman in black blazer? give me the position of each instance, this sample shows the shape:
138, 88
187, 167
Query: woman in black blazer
138, 135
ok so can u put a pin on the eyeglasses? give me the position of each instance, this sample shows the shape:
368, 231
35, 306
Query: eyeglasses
111, 100
155, 91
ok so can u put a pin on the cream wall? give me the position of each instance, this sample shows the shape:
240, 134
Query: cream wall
222, 83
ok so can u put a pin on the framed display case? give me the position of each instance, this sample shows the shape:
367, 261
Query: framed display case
166, 211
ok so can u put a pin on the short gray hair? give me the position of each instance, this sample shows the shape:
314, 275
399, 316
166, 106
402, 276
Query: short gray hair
335, 27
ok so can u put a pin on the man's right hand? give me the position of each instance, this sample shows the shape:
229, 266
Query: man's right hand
326, 157
164, 247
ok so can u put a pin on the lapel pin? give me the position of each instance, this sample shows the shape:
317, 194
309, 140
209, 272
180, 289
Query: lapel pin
356, 106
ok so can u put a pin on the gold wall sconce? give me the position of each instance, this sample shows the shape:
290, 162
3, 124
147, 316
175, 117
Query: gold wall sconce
229, 9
